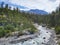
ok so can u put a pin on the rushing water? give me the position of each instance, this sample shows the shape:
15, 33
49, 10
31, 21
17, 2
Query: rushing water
42, 39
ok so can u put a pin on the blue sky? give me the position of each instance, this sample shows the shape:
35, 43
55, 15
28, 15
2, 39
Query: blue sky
47, 5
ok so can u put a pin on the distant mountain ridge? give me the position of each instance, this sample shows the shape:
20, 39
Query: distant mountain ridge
37, 11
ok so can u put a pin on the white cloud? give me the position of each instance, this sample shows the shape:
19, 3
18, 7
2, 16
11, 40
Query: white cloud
47, 5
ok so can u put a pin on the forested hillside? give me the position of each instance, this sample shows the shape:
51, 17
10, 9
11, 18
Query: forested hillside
13, 21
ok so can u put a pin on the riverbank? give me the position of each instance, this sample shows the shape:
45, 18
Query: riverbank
15, 39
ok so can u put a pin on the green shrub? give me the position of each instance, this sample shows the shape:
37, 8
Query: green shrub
9, 27
32, 29
57, 29
2, 33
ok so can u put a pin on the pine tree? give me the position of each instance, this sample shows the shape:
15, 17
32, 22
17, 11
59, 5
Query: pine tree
2, 4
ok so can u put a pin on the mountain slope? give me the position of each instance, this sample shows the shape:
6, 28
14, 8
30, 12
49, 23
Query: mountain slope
37, 11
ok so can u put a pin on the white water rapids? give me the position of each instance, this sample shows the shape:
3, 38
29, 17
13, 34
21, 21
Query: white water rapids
42, 39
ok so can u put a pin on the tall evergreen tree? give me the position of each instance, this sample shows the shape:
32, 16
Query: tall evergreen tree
6, 6
2, 4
